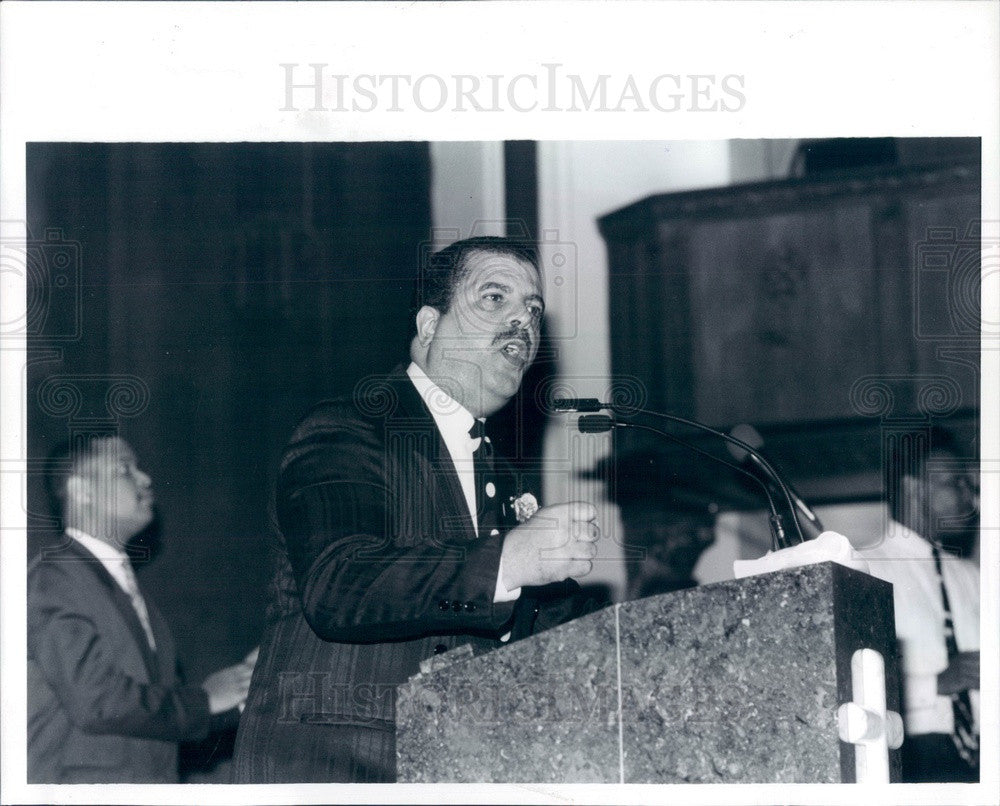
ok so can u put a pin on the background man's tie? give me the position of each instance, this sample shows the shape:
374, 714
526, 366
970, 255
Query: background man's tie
964, 734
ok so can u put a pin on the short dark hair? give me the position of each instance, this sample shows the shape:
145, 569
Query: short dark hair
905, 454
62, 463
441, 273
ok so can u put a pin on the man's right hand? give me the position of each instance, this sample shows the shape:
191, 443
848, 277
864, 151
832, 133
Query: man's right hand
559, 542
227, 688
962, 674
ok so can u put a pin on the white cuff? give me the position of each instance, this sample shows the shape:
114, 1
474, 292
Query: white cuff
920, 690
501, 594
926, 711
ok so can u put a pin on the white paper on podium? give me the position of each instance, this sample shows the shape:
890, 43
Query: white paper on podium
828, 547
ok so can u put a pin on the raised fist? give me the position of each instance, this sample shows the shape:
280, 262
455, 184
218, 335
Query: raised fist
559, 542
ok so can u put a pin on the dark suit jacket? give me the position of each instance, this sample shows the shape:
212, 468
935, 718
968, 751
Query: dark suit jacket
380, 568
102, 706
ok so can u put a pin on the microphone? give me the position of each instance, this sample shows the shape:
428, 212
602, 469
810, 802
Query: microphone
751, 436
567, 405
595, 423
600, 423
592, 404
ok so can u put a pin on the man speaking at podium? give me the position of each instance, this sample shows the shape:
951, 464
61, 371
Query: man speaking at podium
400, 530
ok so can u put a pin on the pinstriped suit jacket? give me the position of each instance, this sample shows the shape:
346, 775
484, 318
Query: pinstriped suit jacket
379, 569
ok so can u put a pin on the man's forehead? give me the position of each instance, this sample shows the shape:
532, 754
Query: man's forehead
109, 449
482, 267
940, 461
945, 465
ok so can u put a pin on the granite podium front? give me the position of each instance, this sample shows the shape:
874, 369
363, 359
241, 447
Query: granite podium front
736, 682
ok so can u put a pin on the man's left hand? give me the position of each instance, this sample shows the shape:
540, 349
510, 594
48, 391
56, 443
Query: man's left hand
962, 674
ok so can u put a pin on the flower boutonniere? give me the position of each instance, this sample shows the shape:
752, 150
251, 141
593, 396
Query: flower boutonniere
525, 505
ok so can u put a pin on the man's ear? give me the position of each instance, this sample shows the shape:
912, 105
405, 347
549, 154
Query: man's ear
78, 490
427, 319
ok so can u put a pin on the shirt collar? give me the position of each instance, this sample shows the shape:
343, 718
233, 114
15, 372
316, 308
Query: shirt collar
905, 542
451, 417
101, 550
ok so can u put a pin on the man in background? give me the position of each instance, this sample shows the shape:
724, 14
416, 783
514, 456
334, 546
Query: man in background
668, 512
403, 536
933, 505
105, 704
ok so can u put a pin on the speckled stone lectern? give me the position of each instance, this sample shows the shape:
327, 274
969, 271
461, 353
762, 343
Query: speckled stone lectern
736, 682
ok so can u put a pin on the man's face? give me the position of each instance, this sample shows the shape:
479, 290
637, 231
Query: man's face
479, 350
951, 500
116, 492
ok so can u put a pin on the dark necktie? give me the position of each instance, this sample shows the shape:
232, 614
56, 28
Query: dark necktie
964, 734
487, 494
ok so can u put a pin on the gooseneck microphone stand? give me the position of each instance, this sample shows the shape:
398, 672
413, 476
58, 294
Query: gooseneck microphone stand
596, 423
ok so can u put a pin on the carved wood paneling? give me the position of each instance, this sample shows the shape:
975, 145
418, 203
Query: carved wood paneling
773, 303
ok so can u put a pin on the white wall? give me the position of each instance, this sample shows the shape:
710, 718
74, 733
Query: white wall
760, 160
467, 190
578, 183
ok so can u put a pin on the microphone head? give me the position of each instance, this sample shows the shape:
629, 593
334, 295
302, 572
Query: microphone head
744, 432
595, 423
562, 405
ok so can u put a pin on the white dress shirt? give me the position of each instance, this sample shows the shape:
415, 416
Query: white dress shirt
453, 421
905, 559
117, 563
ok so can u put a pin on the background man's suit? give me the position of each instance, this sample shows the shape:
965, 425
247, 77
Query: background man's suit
102, 705
381, 568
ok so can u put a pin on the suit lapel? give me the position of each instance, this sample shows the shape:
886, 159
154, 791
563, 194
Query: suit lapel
437, 463
165, 656
124, 605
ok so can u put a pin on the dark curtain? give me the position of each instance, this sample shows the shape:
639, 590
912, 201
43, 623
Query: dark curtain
198, 299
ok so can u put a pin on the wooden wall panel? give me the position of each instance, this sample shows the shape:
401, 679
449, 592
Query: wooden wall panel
818, 306
781, 329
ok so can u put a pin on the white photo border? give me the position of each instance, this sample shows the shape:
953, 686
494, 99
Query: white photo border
197, 72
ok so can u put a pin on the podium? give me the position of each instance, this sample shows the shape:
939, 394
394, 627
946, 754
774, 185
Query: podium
735, 682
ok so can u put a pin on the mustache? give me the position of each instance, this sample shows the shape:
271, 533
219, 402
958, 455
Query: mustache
514, 333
